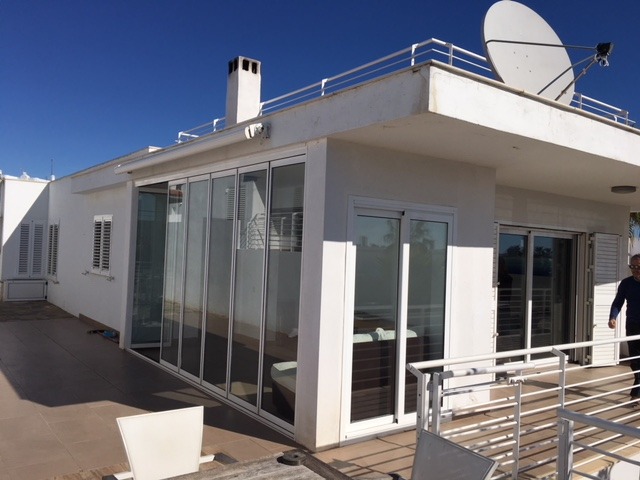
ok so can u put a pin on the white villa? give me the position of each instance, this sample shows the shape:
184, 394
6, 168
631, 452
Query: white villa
293, 257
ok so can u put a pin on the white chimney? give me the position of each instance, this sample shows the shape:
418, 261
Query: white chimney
243, 90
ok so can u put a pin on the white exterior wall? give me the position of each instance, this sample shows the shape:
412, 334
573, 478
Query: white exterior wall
24, 200
75, 289
355, 170
538, 209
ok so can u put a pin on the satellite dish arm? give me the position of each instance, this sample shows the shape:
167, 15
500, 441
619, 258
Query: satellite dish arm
558, 45
582, 74
570, 67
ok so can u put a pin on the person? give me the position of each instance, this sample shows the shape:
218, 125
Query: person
629, 291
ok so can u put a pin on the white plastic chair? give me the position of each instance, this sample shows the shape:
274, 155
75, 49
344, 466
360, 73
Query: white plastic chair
163, 444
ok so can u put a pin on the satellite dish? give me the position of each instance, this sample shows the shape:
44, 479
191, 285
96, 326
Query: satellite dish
519, 45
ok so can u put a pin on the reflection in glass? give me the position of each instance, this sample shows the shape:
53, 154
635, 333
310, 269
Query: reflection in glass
219, 284
174, 260
551, 307
250, 246
375, 317
194, 277
512, 298
149, 270
426, 299
283, 291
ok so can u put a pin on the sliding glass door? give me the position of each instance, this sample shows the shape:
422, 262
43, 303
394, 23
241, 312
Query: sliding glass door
400, 288
195, 263
216, 349
174, 275
536, 289
149, 270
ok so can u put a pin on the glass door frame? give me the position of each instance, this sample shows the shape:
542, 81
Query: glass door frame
162, 361
222, 174
576, 282
229, 395
203, 305
405, 212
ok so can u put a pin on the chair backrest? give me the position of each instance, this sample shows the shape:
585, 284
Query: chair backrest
439, 458
163, 444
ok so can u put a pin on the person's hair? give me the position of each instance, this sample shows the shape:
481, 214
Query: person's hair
635, 257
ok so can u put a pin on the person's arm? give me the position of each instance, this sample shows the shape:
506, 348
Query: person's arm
616, 306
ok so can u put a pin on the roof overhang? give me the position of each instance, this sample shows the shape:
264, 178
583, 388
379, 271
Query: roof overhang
531, 142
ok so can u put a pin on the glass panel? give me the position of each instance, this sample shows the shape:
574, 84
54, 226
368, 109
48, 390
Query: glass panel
426, 299
283, 291
174, 260
375, 317
512, 301
149, 270
248, 285
219, 288
194, 277
551, 310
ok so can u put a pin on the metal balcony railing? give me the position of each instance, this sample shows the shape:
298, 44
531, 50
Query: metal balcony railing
515, 417
416, 54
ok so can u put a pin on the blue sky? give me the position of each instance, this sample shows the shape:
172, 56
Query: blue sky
86, 81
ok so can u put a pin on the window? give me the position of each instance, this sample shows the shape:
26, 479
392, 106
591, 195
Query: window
101, 260
52, 250
30, 252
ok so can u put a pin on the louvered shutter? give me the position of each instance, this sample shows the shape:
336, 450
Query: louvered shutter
603, 280
30, 249
101, 255
23, 254
38, 247
52, 250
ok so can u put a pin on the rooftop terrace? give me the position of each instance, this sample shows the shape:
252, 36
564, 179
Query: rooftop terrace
411, 57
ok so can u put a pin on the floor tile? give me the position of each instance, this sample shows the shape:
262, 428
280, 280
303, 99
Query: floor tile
16, 407
45, 470
98, 453
22, 429
82, 429
41, 448
244, 450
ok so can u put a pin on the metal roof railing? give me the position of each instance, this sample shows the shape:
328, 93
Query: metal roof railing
406, 58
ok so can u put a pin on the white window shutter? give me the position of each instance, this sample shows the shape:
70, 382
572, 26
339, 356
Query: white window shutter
52, 250
603, 280
30, 249
23, 253
101, 254
38, 247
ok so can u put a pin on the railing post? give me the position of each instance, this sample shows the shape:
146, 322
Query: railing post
516, 427
562, 381
435, 398
450, 47
323, 85
422, 410
413, 53
565, 451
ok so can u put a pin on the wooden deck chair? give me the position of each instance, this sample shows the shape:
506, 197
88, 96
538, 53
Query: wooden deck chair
163, 444
439, 458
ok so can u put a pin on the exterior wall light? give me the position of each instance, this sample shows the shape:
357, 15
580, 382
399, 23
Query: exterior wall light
623, 189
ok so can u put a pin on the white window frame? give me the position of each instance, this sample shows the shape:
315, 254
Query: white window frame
101, 246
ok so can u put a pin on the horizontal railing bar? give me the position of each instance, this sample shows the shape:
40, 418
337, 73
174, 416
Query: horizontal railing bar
598, 422
415, 367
